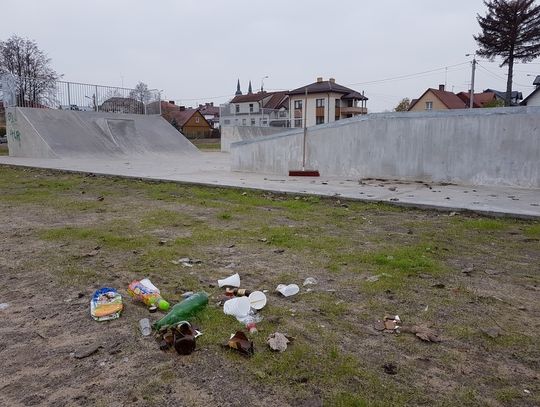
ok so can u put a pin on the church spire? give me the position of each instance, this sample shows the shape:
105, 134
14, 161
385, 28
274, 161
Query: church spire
250, 90
238, 91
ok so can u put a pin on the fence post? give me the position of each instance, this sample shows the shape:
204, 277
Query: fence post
96, 99
69, 97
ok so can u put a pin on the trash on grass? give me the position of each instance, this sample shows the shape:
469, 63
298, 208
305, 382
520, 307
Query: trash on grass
492, 332
186, 262
310, 281
250, 320
4, 305
237, 292
187, 294
257, 300
241, 343
146, 292
181, 336
288, 290
237, 306
278, 342
106, 304
144, 326
183, 310
421, 332
231, 281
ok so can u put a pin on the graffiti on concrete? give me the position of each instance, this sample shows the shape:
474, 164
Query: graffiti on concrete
13, 127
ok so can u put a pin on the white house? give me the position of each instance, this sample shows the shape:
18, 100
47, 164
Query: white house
534, 98
324, 102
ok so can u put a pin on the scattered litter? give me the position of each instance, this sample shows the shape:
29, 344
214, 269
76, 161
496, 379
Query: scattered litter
279, 251
526, 391
100, 198
181, 336
244, 193
183, 310
250, 320
237, 306
162, 242
237, 292
393, 324
4, 305
87, 351
231, 281
144, 326
263, 239
231, 246
390, 368
257, 300
106, 304
493, 332
187, 294
492, 272
373, 279
146, 292
186, 262
278, 342
452, 214
230, 266
288, 290
310, 281
241, 343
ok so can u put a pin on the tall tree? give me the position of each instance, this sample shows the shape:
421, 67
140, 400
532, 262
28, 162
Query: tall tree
141, 93
511, 30
403, 105
35, 80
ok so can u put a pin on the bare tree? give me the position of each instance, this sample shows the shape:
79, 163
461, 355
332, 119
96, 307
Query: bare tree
35, 79
511, 30
141, 93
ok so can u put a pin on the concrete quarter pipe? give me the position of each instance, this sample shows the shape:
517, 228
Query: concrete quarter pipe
48, 133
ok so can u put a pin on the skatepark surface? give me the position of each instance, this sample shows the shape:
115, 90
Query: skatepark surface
147, 147
213, 169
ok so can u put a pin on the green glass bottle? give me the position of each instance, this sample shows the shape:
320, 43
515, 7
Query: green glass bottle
183, 311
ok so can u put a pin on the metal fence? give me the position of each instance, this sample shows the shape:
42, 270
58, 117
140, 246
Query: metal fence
36, 93
230, 116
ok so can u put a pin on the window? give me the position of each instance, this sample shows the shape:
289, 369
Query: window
337, 103
429, 105
319, 120
227, 121
253, 122
243, 122
237, 108
298, 123
196, 120
319, 103
298, 104
251, 108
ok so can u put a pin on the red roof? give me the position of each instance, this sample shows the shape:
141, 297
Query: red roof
449, 99
250, 97
479, 100
180, 115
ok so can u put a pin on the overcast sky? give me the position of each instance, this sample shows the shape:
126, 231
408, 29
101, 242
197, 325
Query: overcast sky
196, 50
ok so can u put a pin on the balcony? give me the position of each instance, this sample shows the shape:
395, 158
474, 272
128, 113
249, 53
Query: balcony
351, 110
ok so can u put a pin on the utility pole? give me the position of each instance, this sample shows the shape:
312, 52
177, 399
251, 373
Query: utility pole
471, 97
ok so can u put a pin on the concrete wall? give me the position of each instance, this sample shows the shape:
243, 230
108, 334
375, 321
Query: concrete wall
232, 134
479, 147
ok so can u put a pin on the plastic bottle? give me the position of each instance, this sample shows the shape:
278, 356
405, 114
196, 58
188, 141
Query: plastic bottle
148, 293
250, 321
144, 326
183, 310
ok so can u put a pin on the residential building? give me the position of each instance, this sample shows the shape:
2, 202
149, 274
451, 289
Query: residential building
501, 95
210, 113
262, 109
190, 122
534, 98
324, 102
480, 100
436, 99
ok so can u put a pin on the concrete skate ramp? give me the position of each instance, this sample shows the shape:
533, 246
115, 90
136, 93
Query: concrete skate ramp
48, 133
468, 147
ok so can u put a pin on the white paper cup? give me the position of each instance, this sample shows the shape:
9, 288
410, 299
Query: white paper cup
257, 300
288, 290
232, 281
238, 306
